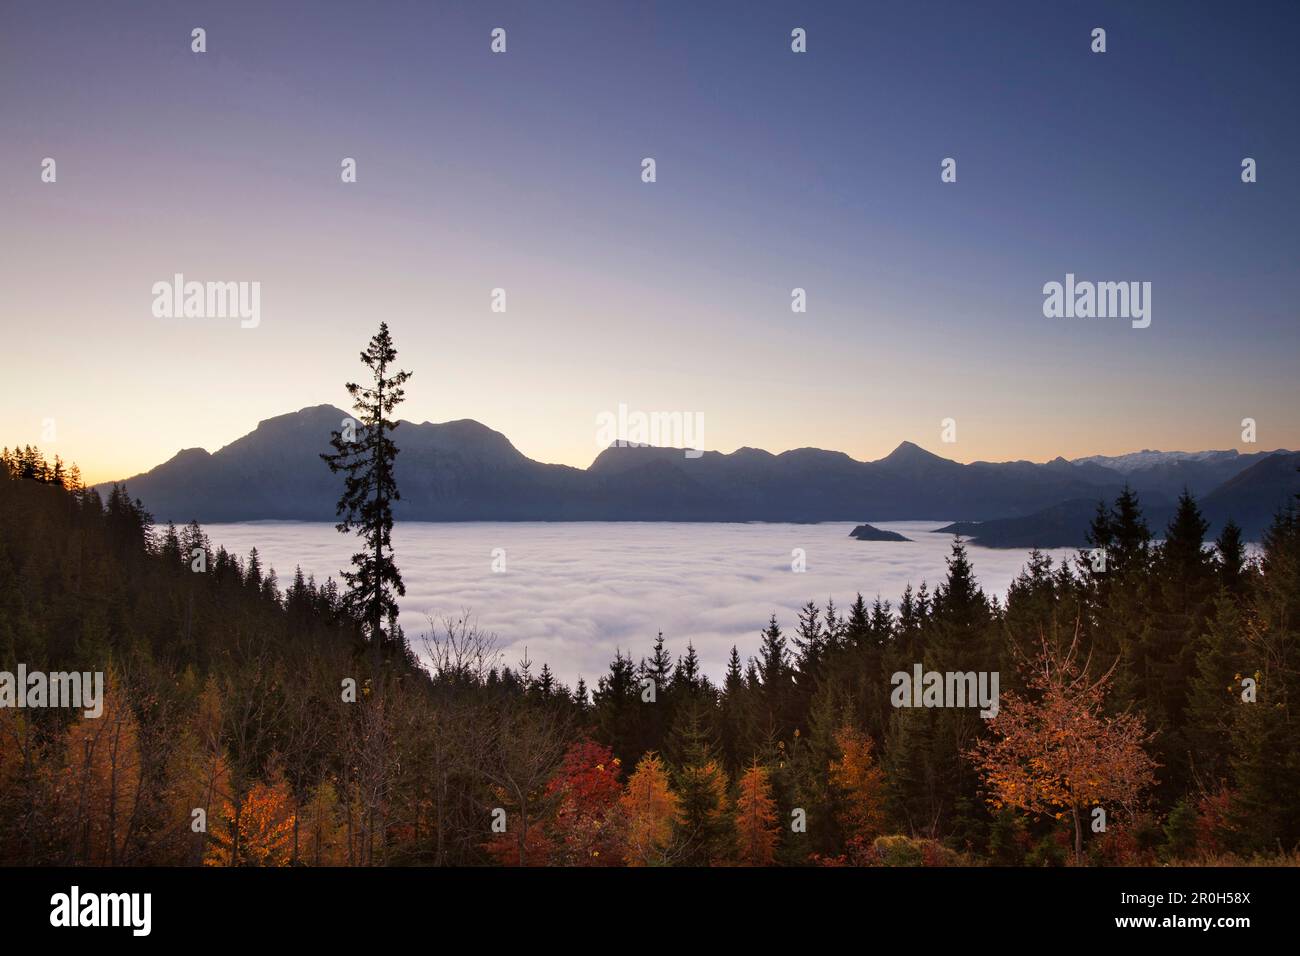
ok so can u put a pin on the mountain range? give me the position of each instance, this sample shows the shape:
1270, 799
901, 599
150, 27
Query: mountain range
465, 471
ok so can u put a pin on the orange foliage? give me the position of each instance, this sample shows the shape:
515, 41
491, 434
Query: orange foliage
756, 824
860, 784
1060, 753
197, 778
650, 809
257, 831
101, 779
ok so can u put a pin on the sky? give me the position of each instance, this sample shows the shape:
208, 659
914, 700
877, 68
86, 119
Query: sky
774, 170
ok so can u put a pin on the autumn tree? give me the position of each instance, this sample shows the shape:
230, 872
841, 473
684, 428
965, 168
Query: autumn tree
650, 809
103, 778
198, 779
859, 784
585, 792
756, 823
261, 833
1054, 750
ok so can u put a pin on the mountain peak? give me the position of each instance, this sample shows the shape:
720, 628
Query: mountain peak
311, 413
910, 453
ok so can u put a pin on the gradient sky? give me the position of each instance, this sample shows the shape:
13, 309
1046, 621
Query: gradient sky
775, 170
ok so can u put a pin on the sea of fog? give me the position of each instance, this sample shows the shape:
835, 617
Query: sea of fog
571, 593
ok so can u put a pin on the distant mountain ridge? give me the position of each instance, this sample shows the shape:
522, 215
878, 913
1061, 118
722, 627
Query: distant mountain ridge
465, 471
1148, 458
1250, 498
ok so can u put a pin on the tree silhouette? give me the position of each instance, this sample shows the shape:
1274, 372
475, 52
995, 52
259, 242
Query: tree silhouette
366, 506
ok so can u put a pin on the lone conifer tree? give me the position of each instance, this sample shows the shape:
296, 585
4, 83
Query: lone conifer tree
365, 453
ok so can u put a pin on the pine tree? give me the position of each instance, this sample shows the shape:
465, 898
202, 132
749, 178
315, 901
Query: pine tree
656, 715
370, 489
909, 623
171, 546
1130, 534
857, 627
705, 828
958, 603
660, 666
735, 717
1265, 771
581, 696
1179, 593
911, 795
687, 679
832, 629
1213, 696
617, 709
774, 675
1265, 807
1117, 596
546, 686
1231, 551
882, 622
1183, 550
811, 648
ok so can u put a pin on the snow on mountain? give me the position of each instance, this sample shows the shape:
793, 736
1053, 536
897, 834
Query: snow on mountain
1148, 458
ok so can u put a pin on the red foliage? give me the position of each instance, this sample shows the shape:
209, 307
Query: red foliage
1212, 824
586, 790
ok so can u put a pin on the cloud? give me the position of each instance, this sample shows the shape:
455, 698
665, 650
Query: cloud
573, 593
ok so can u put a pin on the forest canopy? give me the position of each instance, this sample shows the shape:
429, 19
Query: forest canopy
1167, 677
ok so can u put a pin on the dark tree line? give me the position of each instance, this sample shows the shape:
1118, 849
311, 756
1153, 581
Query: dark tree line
227, 695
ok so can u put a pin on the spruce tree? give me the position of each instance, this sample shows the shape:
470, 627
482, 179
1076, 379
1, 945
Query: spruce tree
1179, 594
857, 628
810, 656
687, 679
617, 709
1131, 536
704, 825
1231, 551
660, 666
736, 721
775, 678
370, 489
1213, 697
